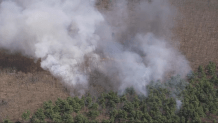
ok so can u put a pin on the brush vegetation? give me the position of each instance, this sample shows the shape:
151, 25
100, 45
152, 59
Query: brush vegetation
198, 96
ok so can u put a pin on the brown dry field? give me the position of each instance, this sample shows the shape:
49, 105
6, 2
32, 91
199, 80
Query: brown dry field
196, 29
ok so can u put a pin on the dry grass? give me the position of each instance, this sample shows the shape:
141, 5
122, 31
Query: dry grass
20, 92
196, 29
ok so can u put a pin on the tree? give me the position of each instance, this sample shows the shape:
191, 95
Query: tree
94, 106
93, 121
122, 114
77, 107
113, 113
138, 114
67, 118
214, 79
111, 104
26, 115
136, 102
112, 96
101, 100
182, 119
34, 119
123, 98
56, 117
130, 91
103, 106
71, 101
48, 109
132, 114
211, 67
40, 114
93, 114
80, 119
7, 121
64, 106
106, 121
82, 102
147, 117
88, 101
128, 106
201, 72
56, 108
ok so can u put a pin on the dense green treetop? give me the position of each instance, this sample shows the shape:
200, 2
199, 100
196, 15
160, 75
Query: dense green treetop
193, 100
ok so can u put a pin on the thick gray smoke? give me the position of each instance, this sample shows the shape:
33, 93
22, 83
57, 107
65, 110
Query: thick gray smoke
73, 38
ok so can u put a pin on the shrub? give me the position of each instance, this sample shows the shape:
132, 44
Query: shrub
56, 117
40, 114
67, 118
26, 115
7, 121
94, 106
77, 107
211, 67
64, 106
93, 114
88, 101
80, 119
106, 121
130, 91
123, 98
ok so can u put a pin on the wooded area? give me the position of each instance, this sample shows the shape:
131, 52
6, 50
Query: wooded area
197, 96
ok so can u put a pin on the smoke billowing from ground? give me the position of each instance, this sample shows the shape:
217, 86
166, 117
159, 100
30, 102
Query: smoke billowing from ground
73, 38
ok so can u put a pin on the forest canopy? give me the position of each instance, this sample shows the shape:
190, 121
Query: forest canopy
193, 100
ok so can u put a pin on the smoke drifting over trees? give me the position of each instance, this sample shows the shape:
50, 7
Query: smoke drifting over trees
73, 38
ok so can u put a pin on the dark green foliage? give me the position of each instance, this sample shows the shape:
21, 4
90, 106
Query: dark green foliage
130, 91
34, 119
82, 102
122, 114
106, 121
103, 106
77, 107
101, 100
128, 106
80, 119
88, 100
64, 106
198, 98
26, 115
111, 104
56, 117
113, 113
138, 114
7, 121
67, 118
94, 106
211, 68
123, 98
40, 114
76, 104
112, 96
93, 121
48, 107
201, 72
93, 114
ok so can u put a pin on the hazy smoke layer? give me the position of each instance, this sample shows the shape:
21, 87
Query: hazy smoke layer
72, 38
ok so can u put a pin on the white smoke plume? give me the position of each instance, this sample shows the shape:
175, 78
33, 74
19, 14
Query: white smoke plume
73, 38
